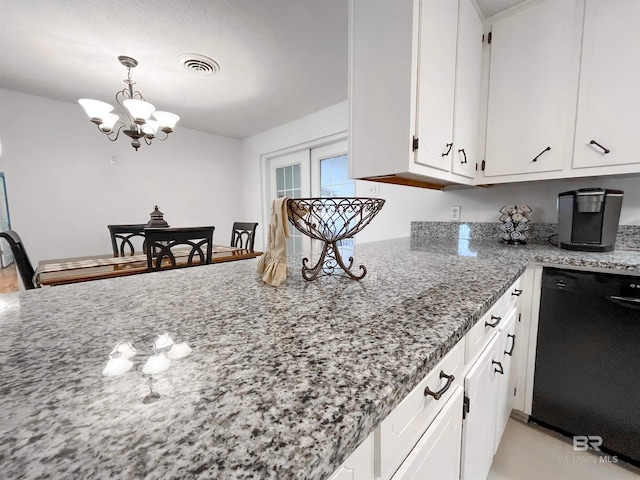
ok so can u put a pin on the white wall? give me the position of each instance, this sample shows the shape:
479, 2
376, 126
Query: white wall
402, 202
63, 191
405, 204
482, 204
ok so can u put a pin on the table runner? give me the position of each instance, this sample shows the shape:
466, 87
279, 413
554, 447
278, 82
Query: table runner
110, 261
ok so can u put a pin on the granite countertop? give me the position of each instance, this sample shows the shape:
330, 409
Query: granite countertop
282, 382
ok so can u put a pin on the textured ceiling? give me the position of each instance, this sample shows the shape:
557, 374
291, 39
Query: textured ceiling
279, 59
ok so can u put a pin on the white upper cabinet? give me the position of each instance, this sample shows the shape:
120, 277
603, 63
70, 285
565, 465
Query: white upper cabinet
609, 98
436, 82
466, 132
533, 78
402, 87
382, 86
560, 80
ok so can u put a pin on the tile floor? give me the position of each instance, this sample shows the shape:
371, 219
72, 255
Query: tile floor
529, 453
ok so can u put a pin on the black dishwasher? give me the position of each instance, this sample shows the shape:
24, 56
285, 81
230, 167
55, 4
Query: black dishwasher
587, 370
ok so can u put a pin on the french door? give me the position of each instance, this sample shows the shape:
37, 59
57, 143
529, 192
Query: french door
310, 172
330, 178
289, 177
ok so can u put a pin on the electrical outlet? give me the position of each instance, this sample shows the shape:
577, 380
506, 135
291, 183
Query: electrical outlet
374, 190
114, 161
455, 213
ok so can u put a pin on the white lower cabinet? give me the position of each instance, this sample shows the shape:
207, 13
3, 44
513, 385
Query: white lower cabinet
437, 455
407, 423
508, 352
450, 425
480, 385
489, 383
359, 465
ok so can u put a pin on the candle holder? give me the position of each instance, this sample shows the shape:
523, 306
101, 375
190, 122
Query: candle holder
331, 220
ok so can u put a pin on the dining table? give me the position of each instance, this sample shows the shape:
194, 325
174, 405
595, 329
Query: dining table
63, 271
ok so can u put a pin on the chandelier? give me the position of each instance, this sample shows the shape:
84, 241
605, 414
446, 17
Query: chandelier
143, 120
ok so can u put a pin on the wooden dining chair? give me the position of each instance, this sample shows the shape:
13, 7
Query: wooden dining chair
121, 236
163, 247
25, 269
243, 235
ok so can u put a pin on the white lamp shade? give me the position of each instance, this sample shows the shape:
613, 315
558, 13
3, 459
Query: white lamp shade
108, 122
166, 119
139, 109
95, 108
150, 128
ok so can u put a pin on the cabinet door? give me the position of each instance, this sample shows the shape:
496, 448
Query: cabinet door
382, 85
506, 380
436, 82
533, 76
467, 93
609, 97
479, 427
359, 465
406, 424
437, 455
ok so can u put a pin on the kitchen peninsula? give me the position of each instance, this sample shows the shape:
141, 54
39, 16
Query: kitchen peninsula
282, 382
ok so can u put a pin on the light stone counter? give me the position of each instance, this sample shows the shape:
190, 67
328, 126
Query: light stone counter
282, 382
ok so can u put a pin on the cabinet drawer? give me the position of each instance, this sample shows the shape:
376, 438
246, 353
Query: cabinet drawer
482, 332
512, 296
404, 426
437, 454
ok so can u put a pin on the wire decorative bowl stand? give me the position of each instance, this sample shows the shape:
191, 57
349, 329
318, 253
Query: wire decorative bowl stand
332, 220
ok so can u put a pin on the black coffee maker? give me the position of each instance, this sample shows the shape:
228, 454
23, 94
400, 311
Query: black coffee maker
588, 219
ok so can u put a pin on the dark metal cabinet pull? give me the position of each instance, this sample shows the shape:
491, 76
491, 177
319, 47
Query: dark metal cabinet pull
540, 154
494, 324
498, 368
517, 292
605, 150
513, 344
439, 393
464, 154
449, 145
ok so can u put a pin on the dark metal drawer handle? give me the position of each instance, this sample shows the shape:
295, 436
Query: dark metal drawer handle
494, 324
449, 145
516, 292
498, 368
513, 344
605, 150
439, 393
464, 154
540, 154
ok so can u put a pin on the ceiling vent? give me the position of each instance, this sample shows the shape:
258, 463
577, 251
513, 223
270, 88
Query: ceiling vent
198, 64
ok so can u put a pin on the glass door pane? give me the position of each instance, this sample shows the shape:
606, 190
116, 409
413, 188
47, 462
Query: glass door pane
290, 178
330, 178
